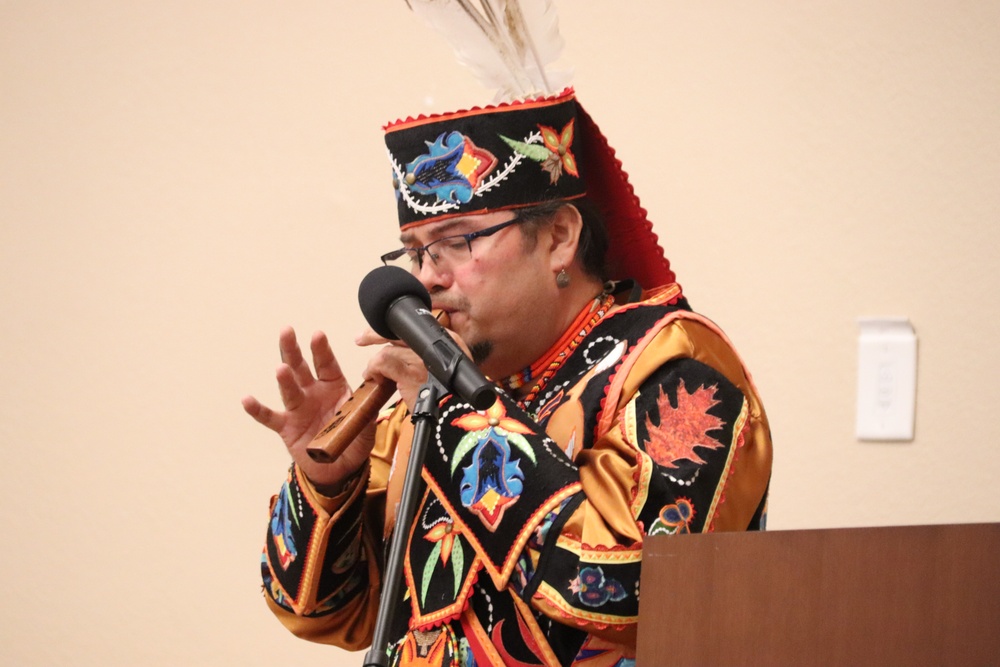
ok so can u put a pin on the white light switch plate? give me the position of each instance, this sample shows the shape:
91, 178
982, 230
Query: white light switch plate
887, 379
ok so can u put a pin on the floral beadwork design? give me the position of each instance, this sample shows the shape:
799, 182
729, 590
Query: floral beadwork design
594, 589
674, 519
451, 170
554, 155
447, 553
494, 480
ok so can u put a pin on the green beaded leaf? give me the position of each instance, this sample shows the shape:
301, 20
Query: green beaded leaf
428, 570
522, 444
457, 563
533, 151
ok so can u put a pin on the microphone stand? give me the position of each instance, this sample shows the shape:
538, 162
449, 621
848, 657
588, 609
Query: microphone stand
424, 418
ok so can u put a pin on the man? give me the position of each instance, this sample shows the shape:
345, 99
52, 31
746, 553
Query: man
623, 414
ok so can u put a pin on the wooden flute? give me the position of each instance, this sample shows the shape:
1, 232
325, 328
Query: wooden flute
359, 410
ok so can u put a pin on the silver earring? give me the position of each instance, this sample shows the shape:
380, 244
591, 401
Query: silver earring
562, 279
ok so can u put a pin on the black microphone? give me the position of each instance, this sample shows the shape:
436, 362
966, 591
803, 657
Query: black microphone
397, 306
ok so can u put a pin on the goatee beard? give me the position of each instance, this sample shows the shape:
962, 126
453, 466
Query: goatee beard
481, 351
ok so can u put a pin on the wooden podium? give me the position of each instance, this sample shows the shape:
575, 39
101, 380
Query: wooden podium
905, 595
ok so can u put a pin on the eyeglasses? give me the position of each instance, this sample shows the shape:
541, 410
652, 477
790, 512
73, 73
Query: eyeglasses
449, 251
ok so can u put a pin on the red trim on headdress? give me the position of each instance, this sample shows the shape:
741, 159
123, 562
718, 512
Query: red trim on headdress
633, 248
422, 119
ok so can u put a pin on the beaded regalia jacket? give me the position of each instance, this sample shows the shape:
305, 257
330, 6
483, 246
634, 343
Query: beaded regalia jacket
526, 547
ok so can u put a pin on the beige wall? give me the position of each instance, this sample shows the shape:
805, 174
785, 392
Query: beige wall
180, 179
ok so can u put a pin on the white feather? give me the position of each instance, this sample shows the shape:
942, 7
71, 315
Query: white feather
535, 23
508, 44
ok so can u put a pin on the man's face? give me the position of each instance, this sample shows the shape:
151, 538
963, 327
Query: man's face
495, 295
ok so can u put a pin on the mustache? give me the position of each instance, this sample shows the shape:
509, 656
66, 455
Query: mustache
450, 303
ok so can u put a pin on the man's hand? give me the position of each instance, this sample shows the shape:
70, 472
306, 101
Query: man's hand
399, 363
310, 401
396, 361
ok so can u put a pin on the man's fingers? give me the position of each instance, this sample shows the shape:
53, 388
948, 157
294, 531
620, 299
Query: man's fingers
288, 346
399, 364
291, 393
262, 414
369, 337
327, 367
291, 354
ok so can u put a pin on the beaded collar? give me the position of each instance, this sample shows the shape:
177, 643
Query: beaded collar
539, 372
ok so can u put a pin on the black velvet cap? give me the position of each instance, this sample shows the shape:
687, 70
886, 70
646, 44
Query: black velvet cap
519, 154
497, 158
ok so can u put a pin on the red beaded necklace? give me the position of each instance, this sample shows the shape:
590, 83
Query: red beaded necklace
538, 373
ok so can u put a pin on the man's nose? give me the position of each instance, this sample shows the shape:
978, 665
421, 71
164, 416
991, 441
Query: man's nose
433, 276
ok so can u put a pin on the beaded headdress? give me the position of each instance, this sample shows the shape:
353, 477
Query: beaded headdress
530, 148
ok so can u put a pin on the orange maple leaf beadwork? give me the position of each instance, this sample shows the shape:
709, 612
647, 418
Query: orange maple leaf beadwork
683, 428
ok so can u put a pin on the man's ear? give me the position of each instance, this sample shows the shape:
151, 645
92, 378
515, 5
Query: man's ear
567, 223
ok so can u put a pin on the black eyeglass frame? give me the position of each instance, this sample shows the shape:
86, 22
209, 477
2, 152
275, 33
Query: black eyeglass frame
469, 238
